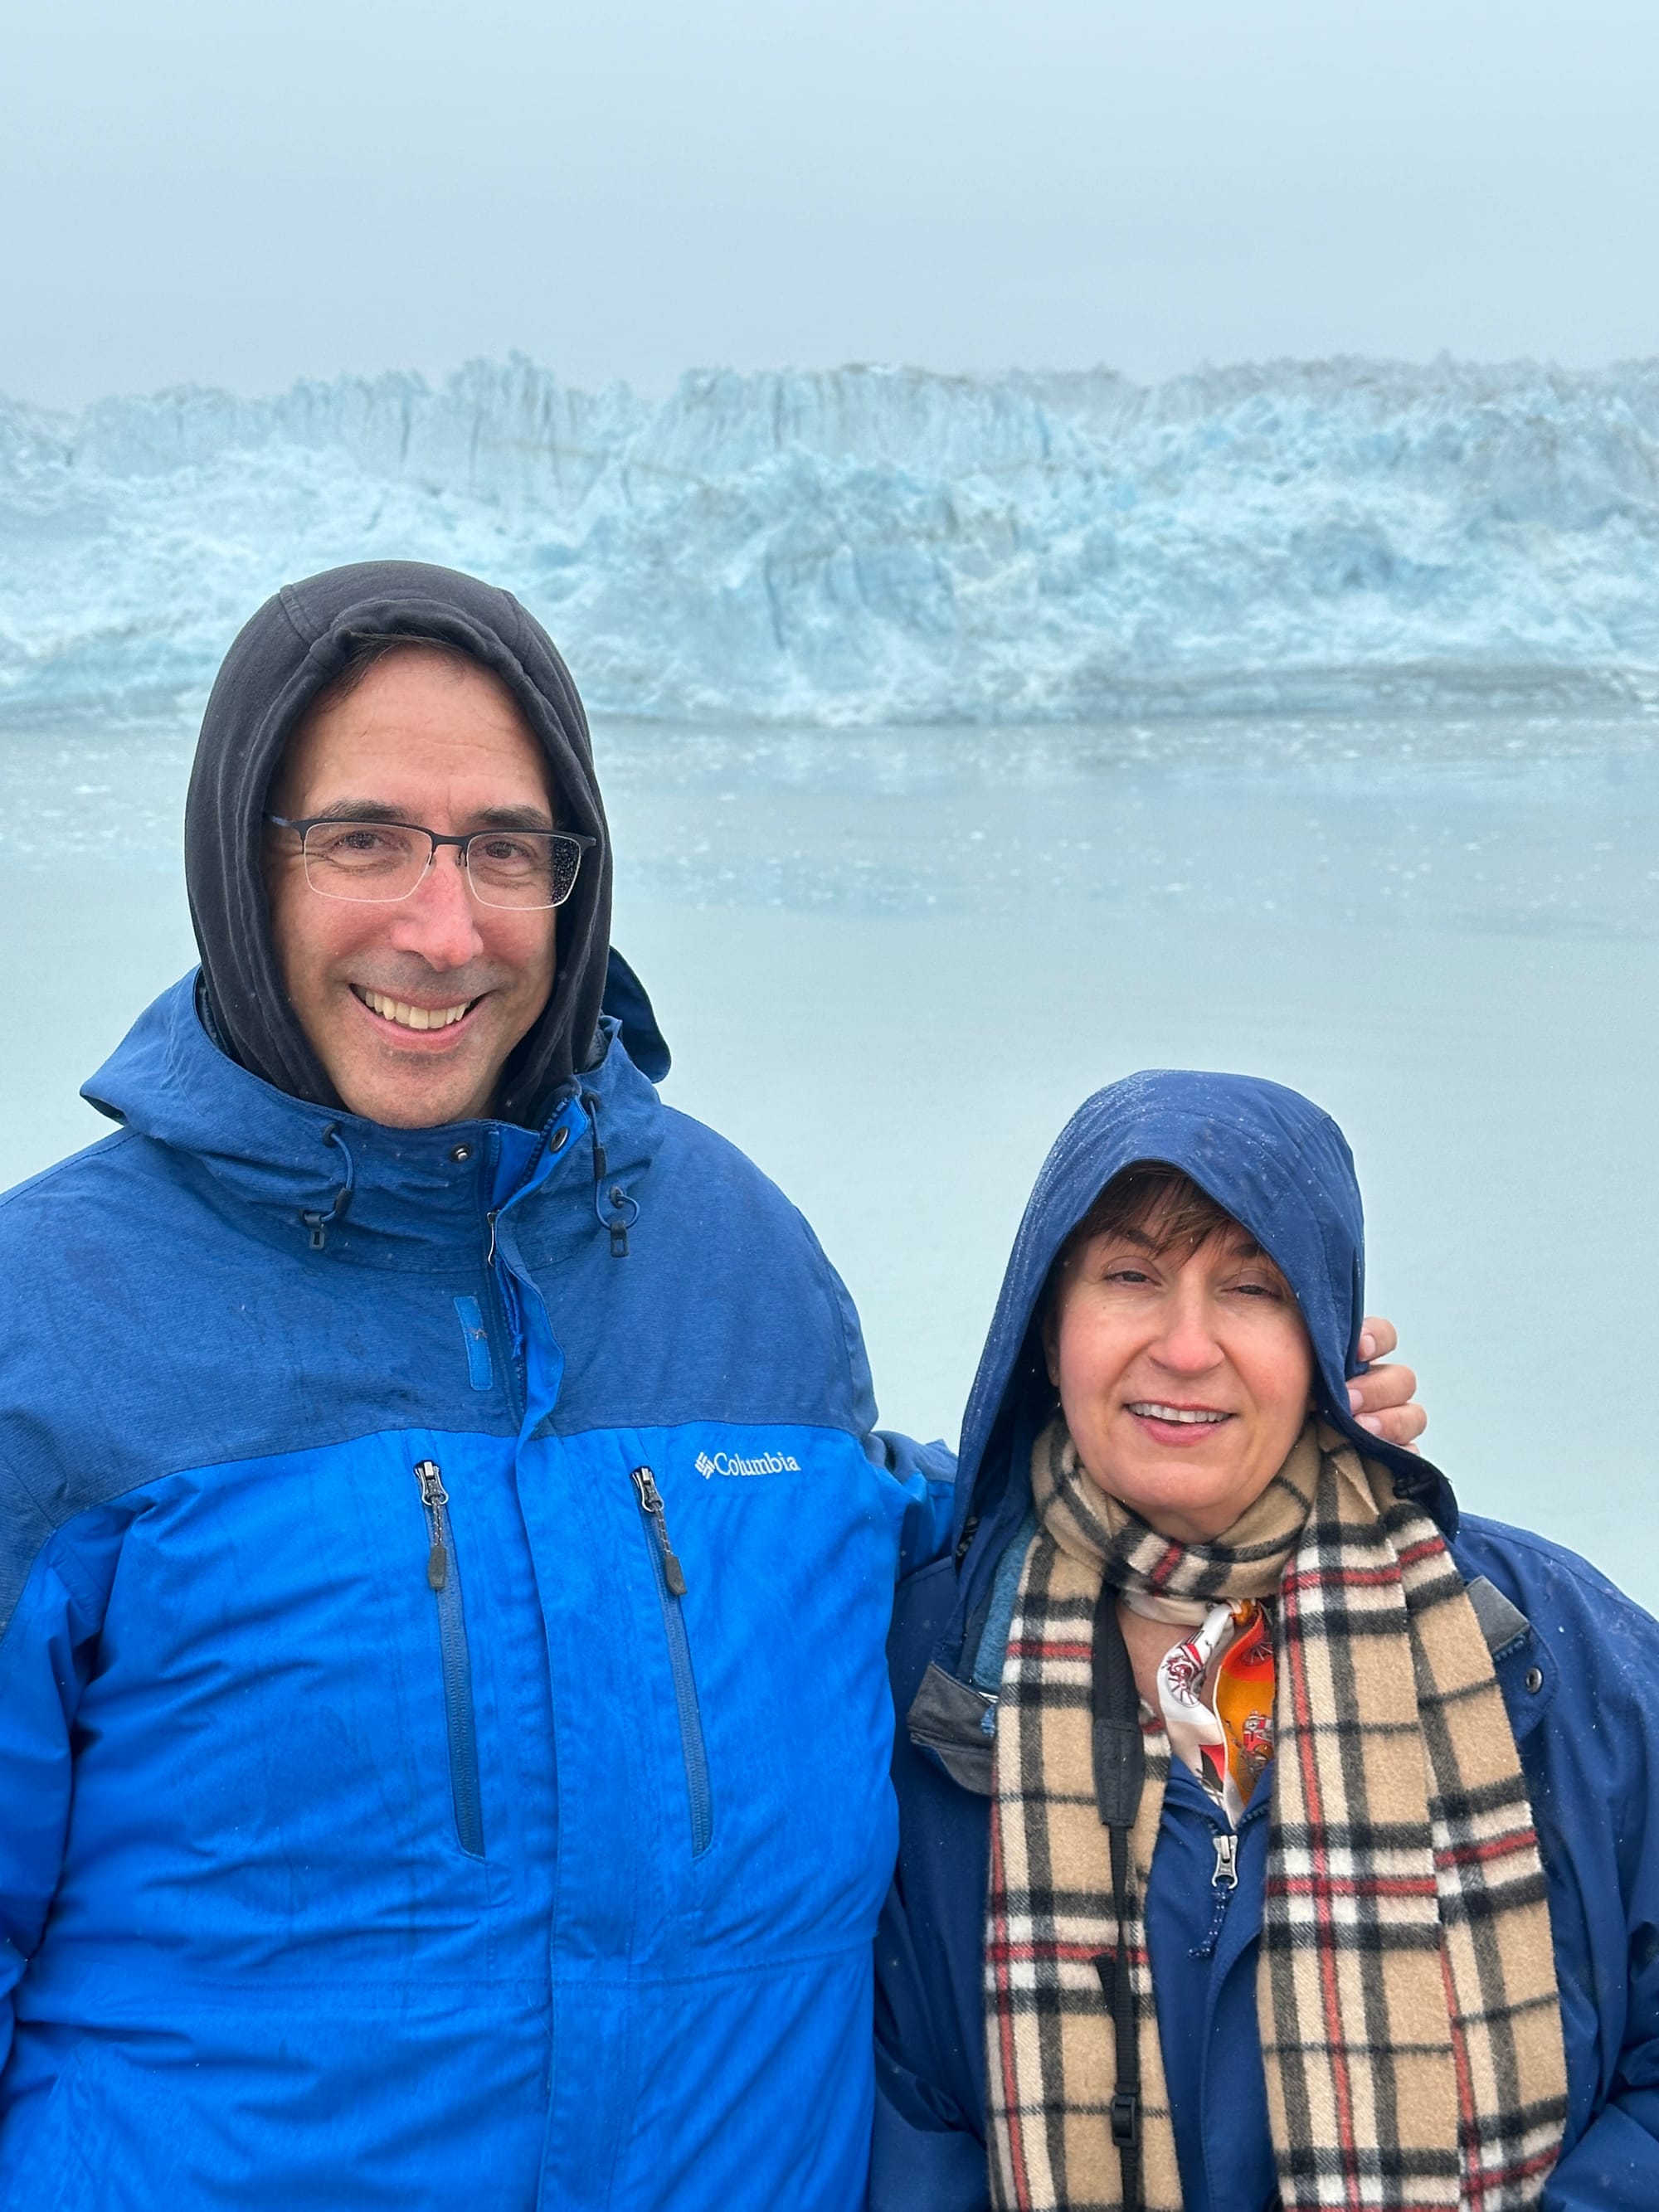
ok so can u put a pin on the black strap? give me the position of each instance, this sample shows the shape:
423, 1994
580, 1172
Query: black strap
1119, 1761
1120, 1747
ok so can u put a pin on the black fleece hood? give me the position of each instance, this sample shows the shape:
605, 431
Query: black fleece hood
282, 658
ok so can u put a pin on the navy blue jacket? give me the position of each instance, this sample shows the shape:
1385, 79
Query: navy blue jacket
443, 1728
1577, 1661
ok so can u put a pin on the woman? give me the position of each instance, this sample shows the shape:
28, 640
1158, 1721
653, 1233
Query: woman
1219, 1684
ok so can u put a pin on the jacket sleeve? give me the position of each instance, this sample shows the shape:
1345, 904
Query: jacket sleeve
1614, 2165
927, 1474
46, 1656
926, 2153
929, 2150
1592, 1765
917, 2169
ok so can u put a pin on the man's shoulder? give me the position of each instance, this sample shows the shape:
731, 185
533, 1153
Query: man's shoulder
698, 1145
114, 1268
727, 1308
82, 1296
92, 1161
103, 1181
709, 1169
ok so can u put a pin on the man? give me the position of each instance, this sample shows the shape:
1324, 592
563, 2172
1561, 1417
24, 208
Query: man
445, 1554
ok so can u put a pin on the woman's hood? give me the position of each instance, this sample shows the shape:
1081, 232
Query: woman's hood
295, 644
1278, 1164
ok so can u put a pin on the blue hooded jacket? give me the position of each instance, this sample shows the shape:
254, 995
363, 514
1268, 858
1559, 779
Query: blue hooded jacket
443, 1727
1577, 1661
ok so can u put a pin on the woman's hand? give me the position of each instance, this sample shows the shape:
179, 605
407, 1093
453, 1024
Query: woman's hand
1382, 1399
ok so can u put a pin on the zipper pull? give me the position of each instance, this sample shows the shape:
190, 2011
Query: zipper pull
433, 1497
651, 1506
1226, 1862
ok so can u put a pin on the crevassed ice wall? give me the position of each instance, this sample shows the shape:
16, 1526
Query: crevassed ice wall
876, 545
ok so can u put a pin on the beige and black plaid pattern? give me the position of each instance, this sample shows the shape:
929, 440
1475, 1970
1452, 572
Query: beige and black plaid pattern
1410, 2020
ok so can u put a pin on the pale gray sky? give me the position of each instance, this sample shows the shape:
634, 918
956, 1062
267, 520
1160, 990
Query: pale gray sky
222, 191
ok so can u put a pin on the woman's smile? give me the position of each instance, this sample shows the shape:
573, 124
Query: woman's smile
1179, 1426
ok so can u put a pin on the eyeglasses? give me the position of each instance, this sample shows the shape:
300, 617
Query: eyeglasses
380, 861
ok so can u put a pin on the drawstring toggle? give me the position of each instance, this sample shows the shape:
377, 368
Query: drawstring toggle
313, 1217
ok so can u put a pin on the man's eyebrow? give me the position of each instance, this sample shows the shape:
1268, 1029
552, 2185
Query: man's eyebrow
487, 817
357, 810
513, 817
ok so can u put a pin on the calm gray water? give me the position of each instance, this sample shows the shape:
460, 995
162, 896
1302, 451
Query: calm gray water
891, 963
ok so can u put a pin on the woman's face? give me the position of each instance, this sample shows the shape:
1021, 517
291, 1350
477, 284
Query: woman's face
1185, 1374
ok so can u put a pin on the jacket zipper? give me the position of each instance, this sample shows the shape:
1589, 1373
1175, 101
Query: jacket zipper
1224, 1880
443, 1578
1225, 1846
670, 1590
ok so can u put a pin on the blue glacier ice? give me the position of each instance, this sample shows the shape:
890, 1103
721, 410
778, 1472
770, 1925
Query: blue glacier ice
884, 545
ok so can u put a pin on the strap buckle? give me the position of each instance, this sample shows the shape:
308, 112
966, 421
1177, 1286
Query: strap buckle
1125, 2118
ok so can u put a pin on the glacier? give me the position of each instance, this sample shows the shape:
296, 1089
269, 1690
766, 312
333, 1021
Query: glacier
872, 545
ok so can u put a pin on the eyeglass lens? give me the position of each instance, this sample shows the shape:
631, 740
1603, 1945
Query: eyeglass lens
373, 861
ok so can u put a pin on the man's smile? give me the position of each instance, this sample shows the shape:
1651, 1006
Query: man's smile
409, 1017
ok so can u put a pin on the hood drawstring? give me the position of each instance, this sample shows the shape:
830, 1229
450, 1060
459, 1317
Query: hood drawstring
625, 1210
319, 1224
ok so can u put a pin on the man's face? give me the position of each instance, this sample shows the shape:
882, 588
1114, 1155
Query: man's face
429, 740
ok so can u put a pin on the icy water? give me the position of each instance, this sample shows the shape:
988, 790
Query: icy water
891, 963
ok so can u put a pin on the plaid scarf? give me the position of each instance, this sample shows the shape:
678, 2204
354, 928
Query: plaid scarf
1409, 2017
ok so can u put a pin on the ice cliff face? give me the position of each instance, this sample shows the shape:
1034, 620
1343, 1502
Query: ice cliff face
883, 545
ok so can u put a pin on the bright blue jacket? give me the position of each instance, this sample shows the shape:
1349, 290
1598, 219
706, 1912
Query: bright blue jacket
443, 1726
1577, 1664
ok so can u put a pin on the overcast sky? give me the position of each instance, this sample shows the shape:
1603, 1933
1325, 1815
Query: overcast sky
238, 193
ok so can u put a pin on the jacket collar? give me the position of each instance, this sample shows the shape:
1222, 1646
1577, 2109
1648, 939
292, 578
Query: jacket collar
328, 1181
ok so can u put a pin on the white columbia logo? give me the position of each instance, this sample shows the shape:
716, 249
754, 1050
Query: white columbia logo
729, 1463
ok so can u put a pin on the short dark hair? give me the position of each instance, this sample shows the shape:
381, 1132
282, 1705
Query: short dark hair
1159, 1202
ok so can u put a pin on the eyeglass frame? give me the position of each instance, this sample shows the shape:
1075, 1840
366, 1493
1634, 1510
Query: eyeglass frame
435, 838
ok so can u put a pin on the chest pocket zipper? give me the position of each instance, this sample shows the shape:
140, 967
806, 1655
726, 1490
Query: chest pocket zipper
671, 1590
443, 1576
